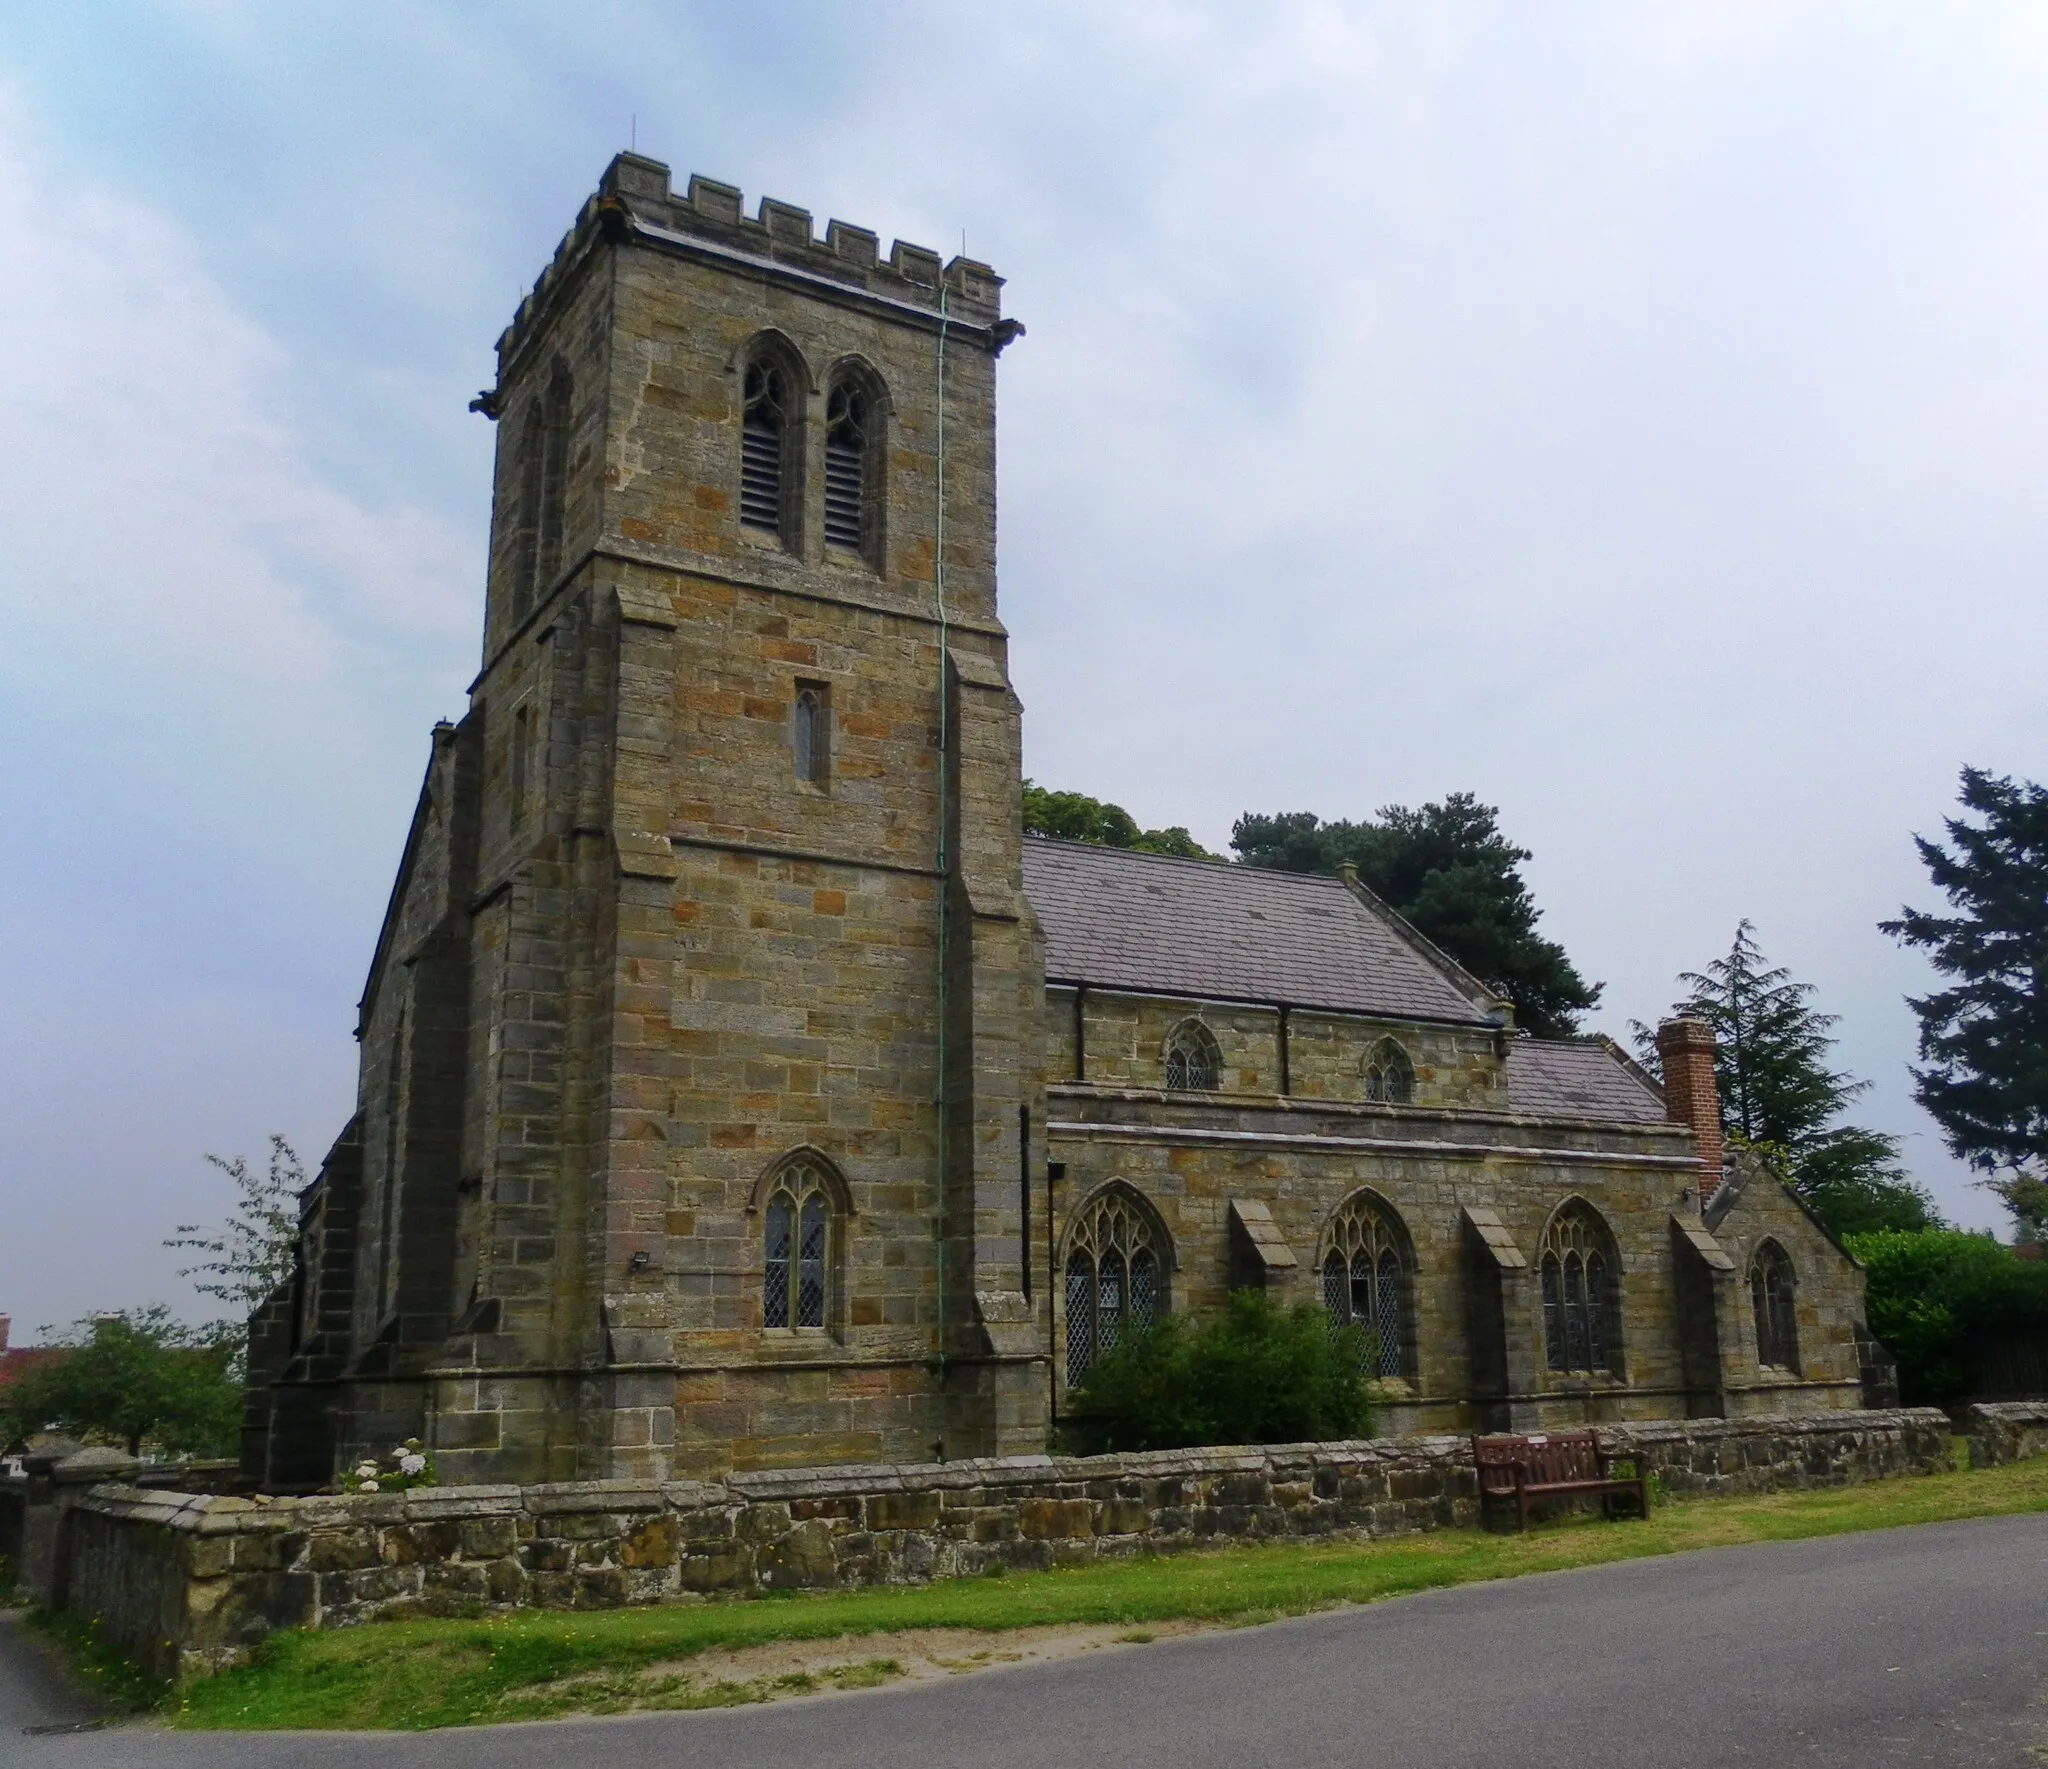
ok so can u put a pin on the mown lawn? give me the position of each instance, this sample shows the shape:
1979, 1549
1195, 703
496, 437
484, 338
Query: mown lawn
461, 1672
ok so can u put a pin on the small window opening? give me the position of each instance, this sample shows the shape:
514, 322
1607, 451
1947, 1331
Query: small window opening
1194, 1062
813, 733
761, 448
520, 762
846, 467
1389, 1075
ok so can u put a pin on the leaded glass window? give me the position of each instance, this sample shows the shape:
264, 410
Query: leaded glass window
1116, 1278
812, 736
1365, 1283
1389, 1075
1772, 1298
1581, 1304
1194, 1062
796, 1269
763, 443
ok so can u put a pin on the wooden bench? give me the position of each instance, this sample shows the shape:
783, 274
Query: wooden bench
1520, 1471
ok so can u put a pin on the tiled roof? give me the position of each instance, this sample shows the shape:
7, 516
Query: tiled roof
1116, 919
1575, 1079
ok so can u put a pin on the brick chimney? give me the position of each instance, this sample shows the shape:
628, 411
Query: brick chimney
1691, 1097
3, 1332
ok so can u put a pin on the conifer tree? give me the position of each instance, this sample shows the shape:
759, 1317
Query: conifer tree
1984, 1039
1780, 1097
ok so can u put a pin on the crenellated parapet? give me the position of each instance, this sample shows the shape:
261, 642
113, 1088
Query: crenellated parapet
635, 201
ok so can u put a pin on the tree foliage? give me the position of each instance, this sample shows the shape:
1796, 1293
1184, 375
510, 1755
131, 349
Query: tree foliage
251, 1254
1984, 1039
1780, 1096
137, 1379
1939, 1298
1256, 1373
1451, 872
1075, 817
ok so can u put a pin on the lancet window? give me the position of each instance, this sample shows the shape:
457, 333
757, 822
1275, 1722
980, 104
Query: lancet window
849, 456
1115, 1278
797, 1227
1581, 1295
1366, 1269
1772, 1297
764, 448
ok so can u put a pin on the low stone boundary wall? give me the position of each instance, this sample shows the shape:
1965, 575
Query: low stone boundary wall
2005, 1431
187, 1583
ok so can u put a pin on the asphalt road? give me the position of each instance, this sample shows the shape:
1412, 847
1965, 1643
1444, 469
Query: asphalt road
1918, 1646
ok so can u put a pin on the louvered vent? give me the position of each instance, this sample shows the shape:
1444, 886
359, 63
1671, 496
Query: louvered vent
761, 450
846, 455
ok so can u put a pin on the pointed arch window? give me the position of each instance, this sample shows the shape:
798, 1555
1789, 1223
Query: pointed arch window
1581, 1295
1772, 1300
1389, 1075
1366, 1283
764, 448
849, 432
796, 1281
1115, 1278
1194, 1061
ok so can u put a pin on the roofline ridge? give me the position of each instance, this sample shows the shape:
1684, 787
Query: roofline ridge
1237, 867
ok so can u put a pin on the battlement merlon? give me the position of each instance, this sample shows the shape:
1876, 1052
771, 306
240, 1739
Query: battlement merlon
634, 201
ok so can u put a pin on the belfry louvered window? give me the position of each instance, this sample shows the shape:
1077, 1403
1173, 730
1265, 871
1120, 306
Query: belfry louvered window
1116, 1279
1365, 1284
1581, 1305
795, 1282
847, 437
763, 445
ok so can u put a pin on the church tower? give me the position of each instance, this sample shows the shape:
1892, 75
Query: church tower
700, 1098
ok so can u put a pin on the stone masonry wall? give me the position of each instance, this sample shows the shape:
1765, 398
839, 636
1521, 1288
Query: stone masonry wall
187, 1583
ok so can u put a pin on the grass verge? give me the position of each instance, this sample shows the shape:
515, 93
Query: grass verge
111, 1679
421, 1674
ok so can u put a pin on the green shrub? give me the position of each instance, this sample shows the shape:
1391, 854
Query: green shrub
1938, 1297
1256, 1373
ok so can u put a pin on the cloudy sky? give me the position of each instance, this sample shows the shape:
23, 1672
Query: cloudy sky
1632, 413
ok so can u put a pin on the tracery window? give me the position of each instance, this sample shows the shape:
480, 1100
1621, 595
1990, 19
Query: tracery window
1194, 1061
1116, 1277
1389, 1075
1365, 1283
797, 1226
1581, 1297
849, 416
764, 447
1772, 1297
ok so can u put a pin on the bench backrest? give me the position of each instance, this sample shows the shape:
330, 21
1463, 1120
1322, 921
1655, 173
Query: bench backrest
1545, 1458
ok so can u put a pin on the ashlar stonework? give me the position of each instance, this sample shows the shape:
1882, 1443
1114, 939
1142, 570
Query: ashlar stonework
740, 1087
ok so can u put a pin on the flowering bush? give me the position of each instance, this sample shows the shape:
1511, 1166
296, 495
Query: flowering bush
407, 1466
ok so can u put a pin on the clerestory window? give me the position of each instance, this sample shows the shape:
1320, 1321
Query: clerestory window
1389, 1075
1116, 1277
1194, 1061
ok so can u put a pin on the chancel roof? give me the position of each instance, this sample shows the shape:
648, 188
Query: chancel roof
1577, 1079
1201, 928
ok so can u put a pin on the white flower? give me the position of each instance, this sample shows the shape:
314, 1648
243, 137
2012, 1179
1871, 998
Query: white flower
366, 1471
412, 1464
368, 1486
401, 1450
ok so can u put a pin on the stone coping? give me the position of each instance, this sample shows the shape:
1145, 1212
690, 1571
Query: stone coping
209, 1514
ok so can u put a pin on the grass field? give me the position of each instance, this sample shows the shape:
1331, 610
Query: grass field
534, 1663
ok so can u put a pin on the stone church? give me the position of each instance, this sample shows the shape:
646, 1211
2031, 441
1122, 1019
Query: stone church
741, 1087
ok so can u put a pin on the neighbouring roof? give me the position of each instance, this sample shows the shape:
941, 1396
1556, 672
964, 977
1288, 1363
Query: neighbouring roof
1201, 928
1577, 1079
